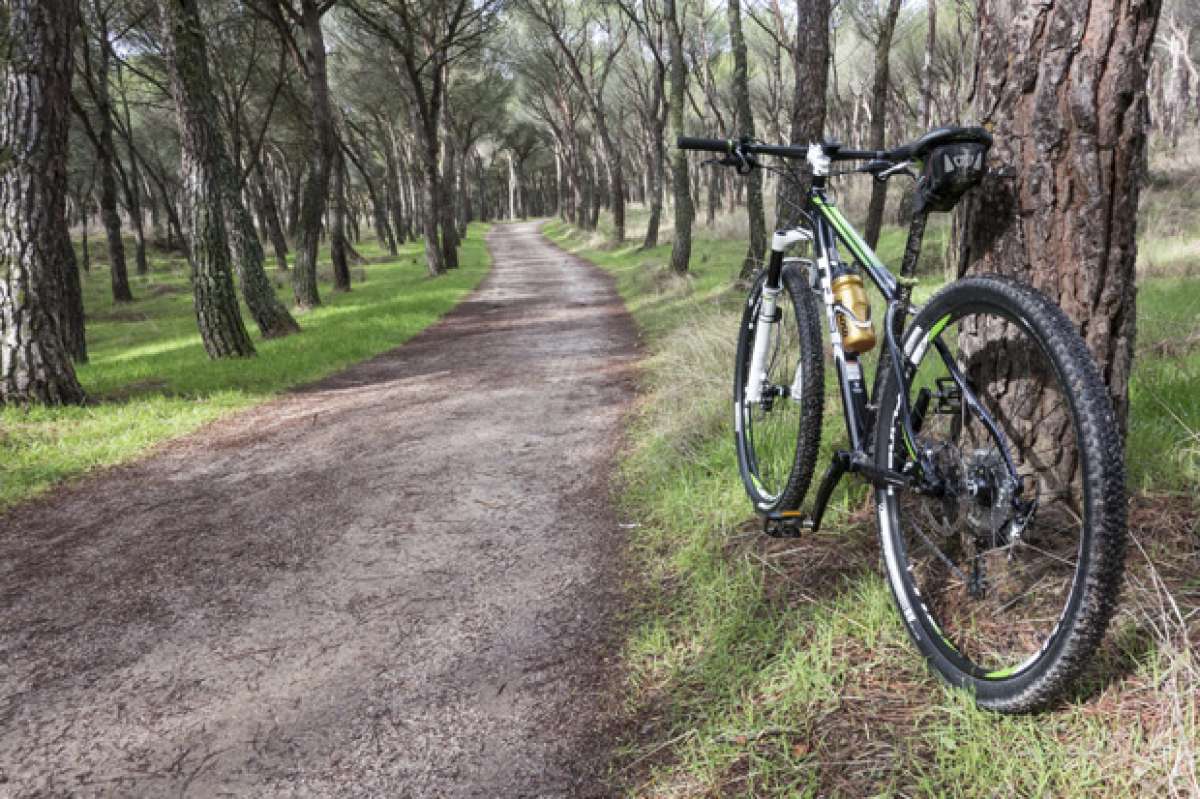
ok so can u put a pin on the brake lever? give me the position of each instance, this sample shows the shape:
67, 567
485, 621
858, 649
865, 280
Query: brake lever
898, 169
743, 162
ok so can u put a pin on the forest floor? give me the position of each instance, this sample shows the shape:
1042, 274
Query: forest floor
402, 580
760, 667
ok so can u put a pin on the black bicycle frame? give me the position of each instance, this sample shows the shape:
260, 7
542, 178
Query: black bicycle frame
829, 228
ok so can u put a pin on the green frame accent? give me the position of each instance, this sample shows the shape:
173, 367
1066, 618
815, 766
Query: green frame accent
848, 234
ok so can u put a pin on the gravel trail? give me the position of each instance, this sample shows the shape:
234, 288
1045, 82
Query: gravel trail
401, 581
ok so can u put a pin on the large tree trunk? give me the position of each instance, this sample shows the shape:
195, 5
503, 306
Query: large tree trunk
217, 312
446, 211
810, 64
927, 77
35, 36
1063, 84
879, 92
681, 249
321, 149
745, 127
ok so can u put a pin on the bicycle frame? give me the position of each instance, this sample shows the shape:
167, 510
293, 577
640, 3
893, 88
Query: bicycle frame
829, 228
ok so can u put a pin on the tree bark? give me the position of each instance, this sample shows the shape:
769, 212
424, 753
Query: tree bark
745, 127
106, 154
879, 92
681, 249
810, 63
927, 73
35, 365
321, 150
217, 312
1063, 84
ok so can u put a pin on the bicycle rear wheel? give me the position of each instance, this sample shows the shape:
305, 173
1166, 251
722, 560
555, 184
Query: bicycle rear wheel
777, 438
1005, 585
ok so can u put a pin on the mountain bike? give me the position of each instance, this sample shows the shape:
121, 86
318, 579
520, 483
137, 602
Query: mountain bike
988, 436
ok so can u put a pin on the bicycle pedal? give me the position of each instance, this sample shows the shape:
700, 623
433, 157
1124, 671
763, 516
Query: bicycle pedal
786, 524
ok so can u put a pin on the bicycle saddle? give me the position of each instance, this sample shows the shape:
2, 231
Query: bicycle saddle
936, 138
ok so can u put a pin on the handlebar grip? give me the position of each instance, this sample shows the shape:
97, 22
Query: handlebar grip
707, 145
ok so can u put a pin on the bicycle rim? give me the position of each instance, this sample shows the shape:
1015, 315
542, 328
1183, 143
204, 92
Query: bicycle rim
994, 580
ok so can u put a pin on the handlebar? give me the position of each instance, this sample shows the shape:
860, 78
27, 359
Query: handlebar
835, 152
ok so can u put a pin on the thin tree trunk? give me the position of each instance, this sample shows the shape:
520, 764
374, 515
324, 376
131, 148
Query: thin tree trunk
337, 232
217, 312
879, 90
133, 186
927, 72
745, 127
810, 63
270, 214
681, 249
106, 155
35, 365
321, 149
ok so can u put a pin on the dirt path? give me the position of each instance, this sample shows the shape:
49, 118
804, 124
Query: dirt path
398, 582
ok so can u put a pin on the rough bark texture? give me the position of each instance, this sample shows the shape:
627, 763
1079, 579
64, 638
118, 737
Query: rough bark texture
681, 249
1063, 85
810, 62
272, 316
35, 365
745, 127
879, 93
217, 312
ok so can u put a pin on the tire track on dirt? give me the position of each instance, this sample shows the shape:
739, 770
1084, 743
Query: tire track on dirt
400, 581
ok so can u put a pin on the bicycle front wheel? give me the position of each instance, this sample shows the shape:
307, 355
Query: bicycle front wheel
1006, 564
777, 437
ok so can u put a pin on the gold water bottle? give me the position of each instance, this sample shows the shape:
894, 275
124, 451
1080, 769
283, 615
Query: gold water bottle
854, 321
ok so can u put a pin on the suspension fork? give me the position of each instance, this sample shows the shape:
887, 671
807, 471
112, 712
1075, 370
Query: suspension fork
768, 310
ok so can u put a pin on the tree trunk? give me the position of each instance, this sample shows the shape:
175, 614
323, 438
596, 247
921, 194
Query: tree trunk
133, 186
321, 149
270, 214
217, 312
745, 127
811, 67
35, 365
446, 211
681, 249
1063, 84
337, 232
927, 73
879, 91
106, 154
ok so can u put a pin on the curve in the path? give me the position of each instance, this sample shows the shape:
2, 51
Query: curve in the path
400, 581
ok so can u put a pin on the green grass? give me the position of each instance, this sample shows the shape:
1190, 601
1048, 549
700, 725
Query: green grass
150, 379
781, 668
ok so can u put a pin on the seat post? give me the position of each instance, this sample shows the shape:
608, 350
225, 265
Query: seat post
908, 266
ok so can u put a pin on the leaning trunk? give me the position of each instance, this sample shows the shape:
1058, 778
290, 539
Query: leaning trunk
217, 312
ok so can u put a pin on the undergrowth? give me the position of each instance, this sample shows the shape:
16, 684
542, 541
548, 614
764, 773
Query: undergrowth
780, 668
